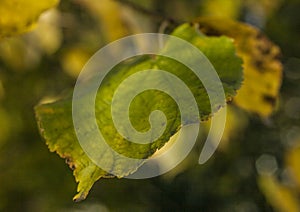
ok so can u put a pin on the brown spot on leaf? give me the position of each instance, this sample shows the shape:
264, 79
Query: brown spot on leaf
265, 50
277, 56
209, 31
270, 99
80, 198
260, 35
70, 163
259, 64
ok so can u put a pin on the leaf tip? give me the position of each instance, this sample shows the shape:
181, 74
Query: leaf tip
79, 197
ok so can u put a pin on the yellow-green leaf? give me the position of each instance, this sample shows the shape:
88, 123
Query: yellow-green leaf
55, 119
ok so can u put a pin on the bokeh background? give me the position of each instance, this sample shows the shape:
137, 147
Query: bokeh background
256, 168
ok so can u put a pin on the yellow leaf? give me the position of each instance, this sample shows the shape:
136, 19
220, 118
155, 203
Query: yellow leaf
74, 59
262, 68
281, 197
293, 163
221, 8
18, 16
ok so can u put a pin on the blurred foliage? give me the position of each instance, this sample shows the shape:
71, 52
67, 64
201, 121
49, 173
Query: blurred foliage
256, 170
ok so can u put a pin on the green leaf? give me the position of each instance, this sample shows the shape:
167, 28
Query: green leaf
55, 119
